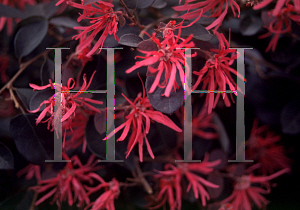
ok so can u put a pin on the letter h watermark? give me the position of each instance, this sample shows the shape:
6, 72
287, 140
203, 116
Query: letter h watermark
110, 144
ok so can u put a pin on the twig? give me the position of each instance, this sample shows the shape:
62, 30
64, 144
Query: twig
33, 200
130, 16
142, 179
23, 66
12, 96
147, 27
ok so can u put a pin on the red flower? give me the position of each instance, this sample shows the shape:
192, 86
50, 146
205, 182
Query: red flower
31, 171
199, 123
68, 105
169, 59
216, 73
61, 1
106, 200
190, 171
69, 182
280, 24
243, 191
279, 5
140, 115
262, 147
13, 3
105, 18
216, 6
76, 131
167, 186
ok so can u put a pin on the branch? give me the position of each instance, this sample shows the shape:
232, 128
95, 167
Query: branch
130, 16
23, 66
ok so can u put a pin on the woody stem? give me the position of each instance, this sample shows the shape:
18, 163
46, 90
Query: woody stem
130, 16
23, 66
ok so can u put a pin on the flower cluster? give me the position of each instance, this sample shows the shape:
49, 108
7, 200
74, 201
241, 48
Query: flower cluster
106, 200
139, 119
244, 191
279, 23
102, 17
216, 6
262, 147
69, 103
70, 183
171, 178
279, 5
166, 59
216, 74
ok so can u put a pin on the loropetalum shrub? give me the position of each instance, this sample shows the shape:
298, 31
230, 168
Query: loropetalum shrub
150, 39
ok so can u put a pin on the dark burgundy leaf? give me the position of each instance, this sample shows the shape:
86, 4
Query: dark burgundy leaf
39, 97
126, 29
216, 155
26, 201
164, 104
250, 25
46, 10
12, 202
34, 142
148, 45
6, 158
239, 169
25, 94
224, 139
7, 11
99, 81
198, 31
218, 180
100, 122
159, 4
98, 146
290, 118
47, 71
141, 4
24, 42
64, 21
266, 18
162, 139
87, 2
200, 147
130, 40
122, 21
66, 75
4, 128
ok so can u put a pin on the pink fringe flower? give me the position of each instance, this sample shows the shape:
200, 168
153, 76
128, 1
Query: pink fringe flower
244, 192
106, 200
216, 74
200, 122
279, 5
31, 171
169, 57
68, 105
69, 182
139, 119
196, 182
101, 16
216, 6
280, 24
262, 148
